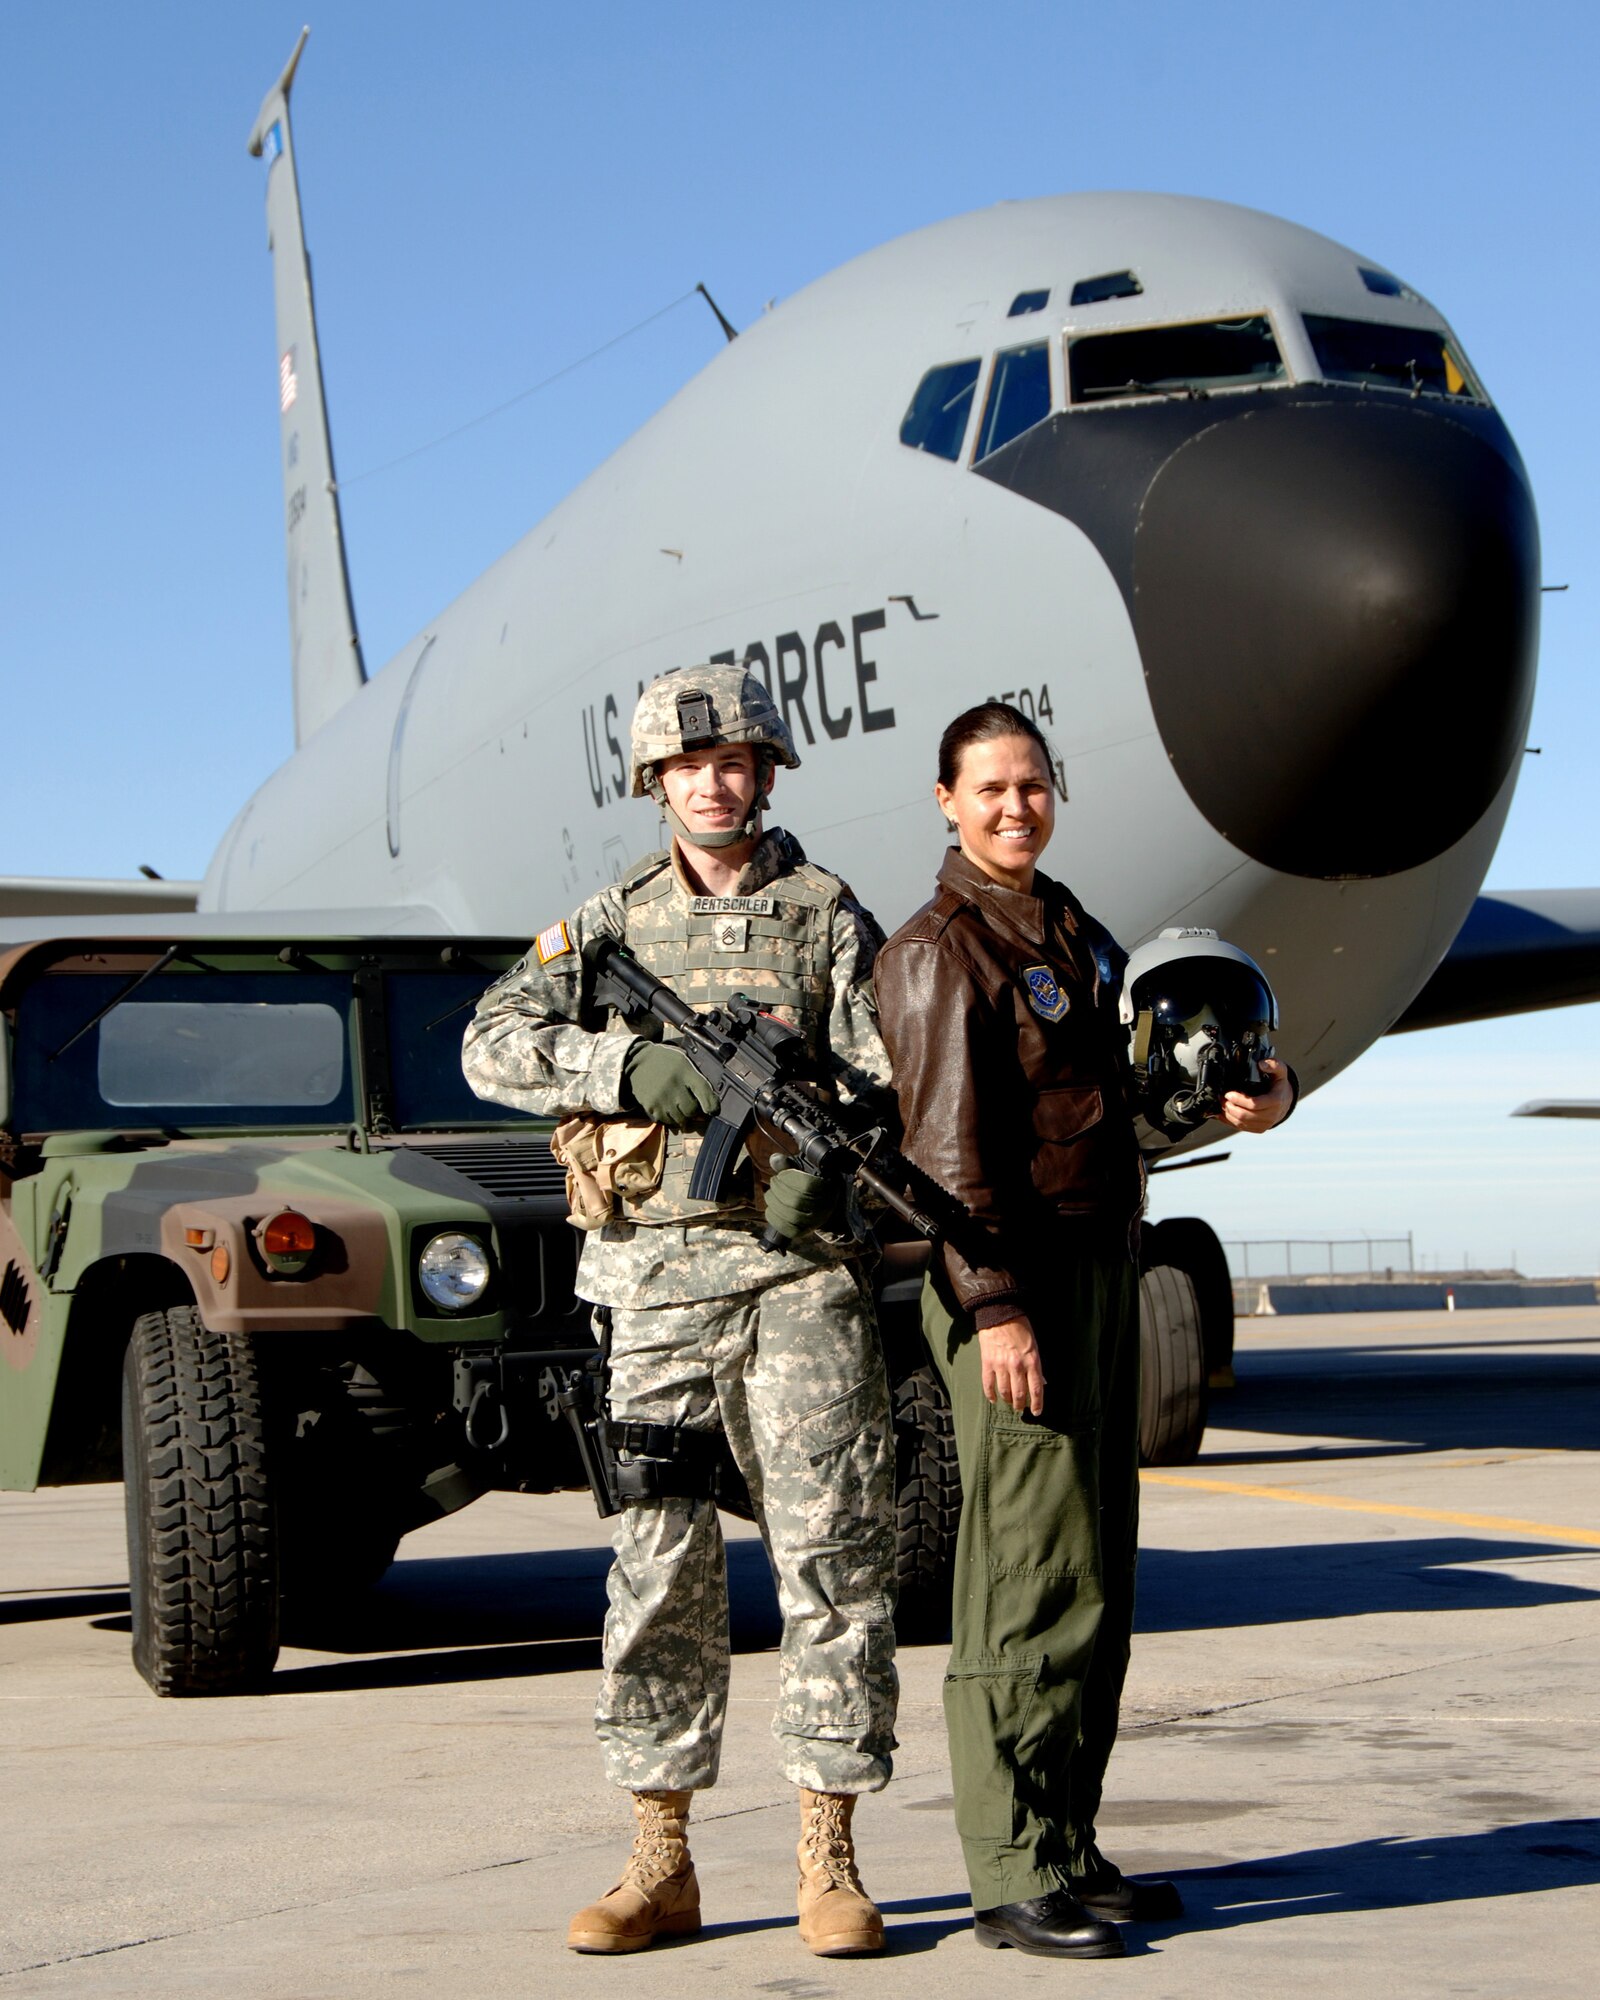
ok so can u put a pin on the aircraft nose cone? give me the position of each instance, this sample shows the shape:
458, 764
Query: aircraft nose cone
1337, 608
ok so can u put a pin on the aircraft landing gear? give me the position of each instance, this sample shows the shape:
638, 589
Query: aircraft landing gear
1185, 1336
1172, 1372
1194, 1247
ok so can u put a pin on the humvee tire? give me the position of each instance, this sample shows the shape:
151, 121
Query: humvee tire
927, 1504
202, 1555
1172, 1368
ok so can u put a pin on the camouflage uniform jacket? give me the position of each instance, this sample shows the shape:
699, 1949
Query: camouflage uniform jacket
792, 936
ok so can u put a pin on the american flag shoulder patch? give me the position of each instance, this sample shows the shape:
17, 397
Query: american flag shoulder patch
553, 943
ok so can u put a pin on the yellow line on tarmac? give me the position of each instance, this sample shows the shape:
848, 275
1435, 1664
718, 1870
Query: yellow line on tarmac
1587, 1537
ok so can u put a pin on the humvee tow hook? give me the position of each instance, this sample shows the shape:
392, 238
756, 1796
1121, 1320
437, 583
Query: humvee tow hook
490, 1385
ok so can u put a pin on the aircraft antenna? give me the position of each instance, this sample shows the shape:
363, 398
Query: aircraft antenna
324, 645
727, 325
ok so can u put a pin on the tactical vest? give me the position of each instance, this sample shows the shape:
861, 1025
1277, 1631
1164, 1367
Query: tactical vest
776, 946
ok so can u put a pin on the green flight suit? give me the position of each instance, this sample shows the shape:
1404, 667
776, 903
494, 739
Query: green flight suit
1043, 1602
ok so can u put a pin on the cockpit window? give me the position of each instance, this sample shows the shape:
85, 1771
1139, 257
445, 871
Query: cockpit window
1028, 302
1414, 359
1384, 283
1109, 285
937, 418
1174, 360
1019, 397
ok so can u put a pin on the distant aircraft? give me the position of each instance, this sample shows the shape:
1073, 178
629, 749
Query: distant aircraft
1559, 1107
1224, 504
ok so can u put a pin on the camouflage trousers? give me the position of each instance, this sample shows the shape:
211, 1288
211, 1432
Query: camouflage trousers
793, 1372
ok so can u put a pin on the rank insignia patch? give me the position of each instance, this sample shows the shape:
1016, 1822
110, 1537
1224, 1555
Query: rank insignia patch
731, 933
1045, 996
553, 943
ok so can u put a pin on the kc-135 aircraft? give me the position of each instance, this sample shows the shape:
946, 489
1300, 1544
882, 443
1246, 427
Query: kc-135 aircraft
1222, 503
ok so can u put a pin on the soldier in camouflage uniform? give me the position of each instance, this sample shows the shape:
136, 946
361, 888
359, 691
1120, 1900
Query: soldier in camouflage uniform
777, 1348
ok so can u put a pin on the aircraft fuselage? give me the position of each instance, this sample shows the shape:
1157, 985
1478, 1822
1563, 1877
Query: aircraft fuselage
1276, 607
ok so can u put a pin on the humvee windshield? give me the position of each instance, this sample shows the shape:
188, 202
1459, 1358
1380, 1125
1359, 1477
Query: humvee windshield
220, 1037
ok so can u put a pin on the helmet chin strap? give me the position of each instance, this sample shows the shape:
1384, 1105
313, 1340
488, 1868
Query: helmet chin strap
727, 836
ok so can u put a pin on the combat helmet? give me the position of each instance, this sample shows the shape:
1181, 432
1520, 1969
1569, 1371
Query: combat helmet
693, 708
1199, 1012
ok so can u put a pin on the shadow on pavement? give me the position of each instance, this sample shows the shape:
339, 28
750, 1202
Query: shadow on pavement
1495, 1393
524, 1598
433, 1620
22, 1610
1193, 1590
1390, 1874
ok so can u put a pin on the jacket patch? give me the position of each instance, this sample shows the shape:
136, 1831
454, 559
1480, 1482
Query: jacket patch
553, 943
1045, 996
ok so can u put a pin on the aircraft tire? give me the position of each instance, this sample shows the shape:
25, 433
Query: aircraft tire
202, 1552
1172, 1368
1194, 1246
927, 1504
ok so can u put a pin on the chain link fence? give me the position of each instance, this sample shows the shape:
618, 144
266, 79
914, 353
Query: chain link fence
1321, 1257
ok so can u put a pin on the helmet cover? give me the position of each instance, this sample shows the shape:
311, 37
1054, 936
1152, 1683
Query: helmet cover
697, 708
693, 708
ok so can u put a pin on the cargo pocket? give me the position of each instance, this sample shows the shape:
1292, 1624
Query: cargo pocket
1041, 1499
664, 1635
844, 1691
986, 1708
839, 1458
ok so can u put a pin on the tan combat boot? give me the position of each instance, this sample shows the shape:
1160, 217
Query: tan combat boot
837, 1916
658, 1895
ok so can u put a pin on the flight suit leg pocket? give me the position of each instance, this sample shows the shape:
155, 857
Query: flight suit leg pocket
1041, 1500
987, 1706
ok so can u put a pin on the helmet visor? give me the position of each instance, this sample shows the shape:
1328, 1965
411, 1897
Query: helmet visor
1234, 995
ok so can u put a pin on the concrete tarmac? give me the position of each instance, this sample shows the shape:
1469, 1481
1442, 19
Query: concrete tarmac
1362, 1731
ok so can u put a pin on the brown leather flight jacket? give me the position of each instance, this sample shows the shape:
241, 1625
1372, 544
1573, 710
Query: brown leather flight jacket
1000, 1014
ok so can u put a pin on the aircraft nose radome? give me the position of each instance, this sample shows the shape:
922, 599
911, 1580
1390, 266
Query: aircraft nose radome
1337, 610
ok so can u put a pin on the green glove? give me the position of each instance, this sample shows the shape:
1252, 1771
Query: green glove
797, 1201
665, 1085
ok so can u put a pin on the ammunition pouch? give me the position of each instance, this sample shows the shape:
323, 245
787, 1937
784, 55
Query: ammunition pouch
608, 1161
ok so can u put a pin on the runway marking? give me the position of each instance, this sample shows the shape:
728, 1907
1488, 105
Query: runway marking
1586, 1537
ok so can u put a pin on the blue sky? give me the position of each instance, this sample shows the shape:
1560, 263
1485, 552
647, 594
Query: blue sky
494, 192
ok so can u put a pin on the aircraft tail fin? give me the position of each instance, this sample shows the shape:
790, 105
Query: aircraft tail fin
326, 651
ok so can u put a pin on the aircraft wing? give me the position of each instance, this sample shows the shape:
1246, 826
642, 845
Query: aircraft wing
1559, 1107
61, 897
392, 920
1519, 950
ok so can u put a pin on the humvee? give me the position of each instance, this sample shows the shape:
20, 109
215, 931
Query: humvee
265, 1257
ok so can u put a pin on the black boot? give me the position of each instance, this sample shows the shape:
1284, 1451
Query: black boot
1109, 1893
1053, 1926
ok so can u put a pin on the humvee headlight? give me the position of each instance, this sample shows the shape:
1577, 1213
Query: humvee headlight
453, 1271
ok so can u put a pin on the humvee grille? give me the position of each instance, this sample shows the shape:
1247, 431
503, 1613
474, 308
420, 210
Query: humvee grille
510, 1168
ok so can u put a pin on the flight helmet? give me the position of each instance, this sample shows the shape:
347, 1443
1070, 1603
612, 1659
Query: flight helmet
693, 708
1199, 1013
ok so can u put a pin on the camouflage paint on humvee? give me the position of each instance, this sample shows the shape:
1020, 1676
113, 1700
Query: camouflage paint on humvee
220, 1165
